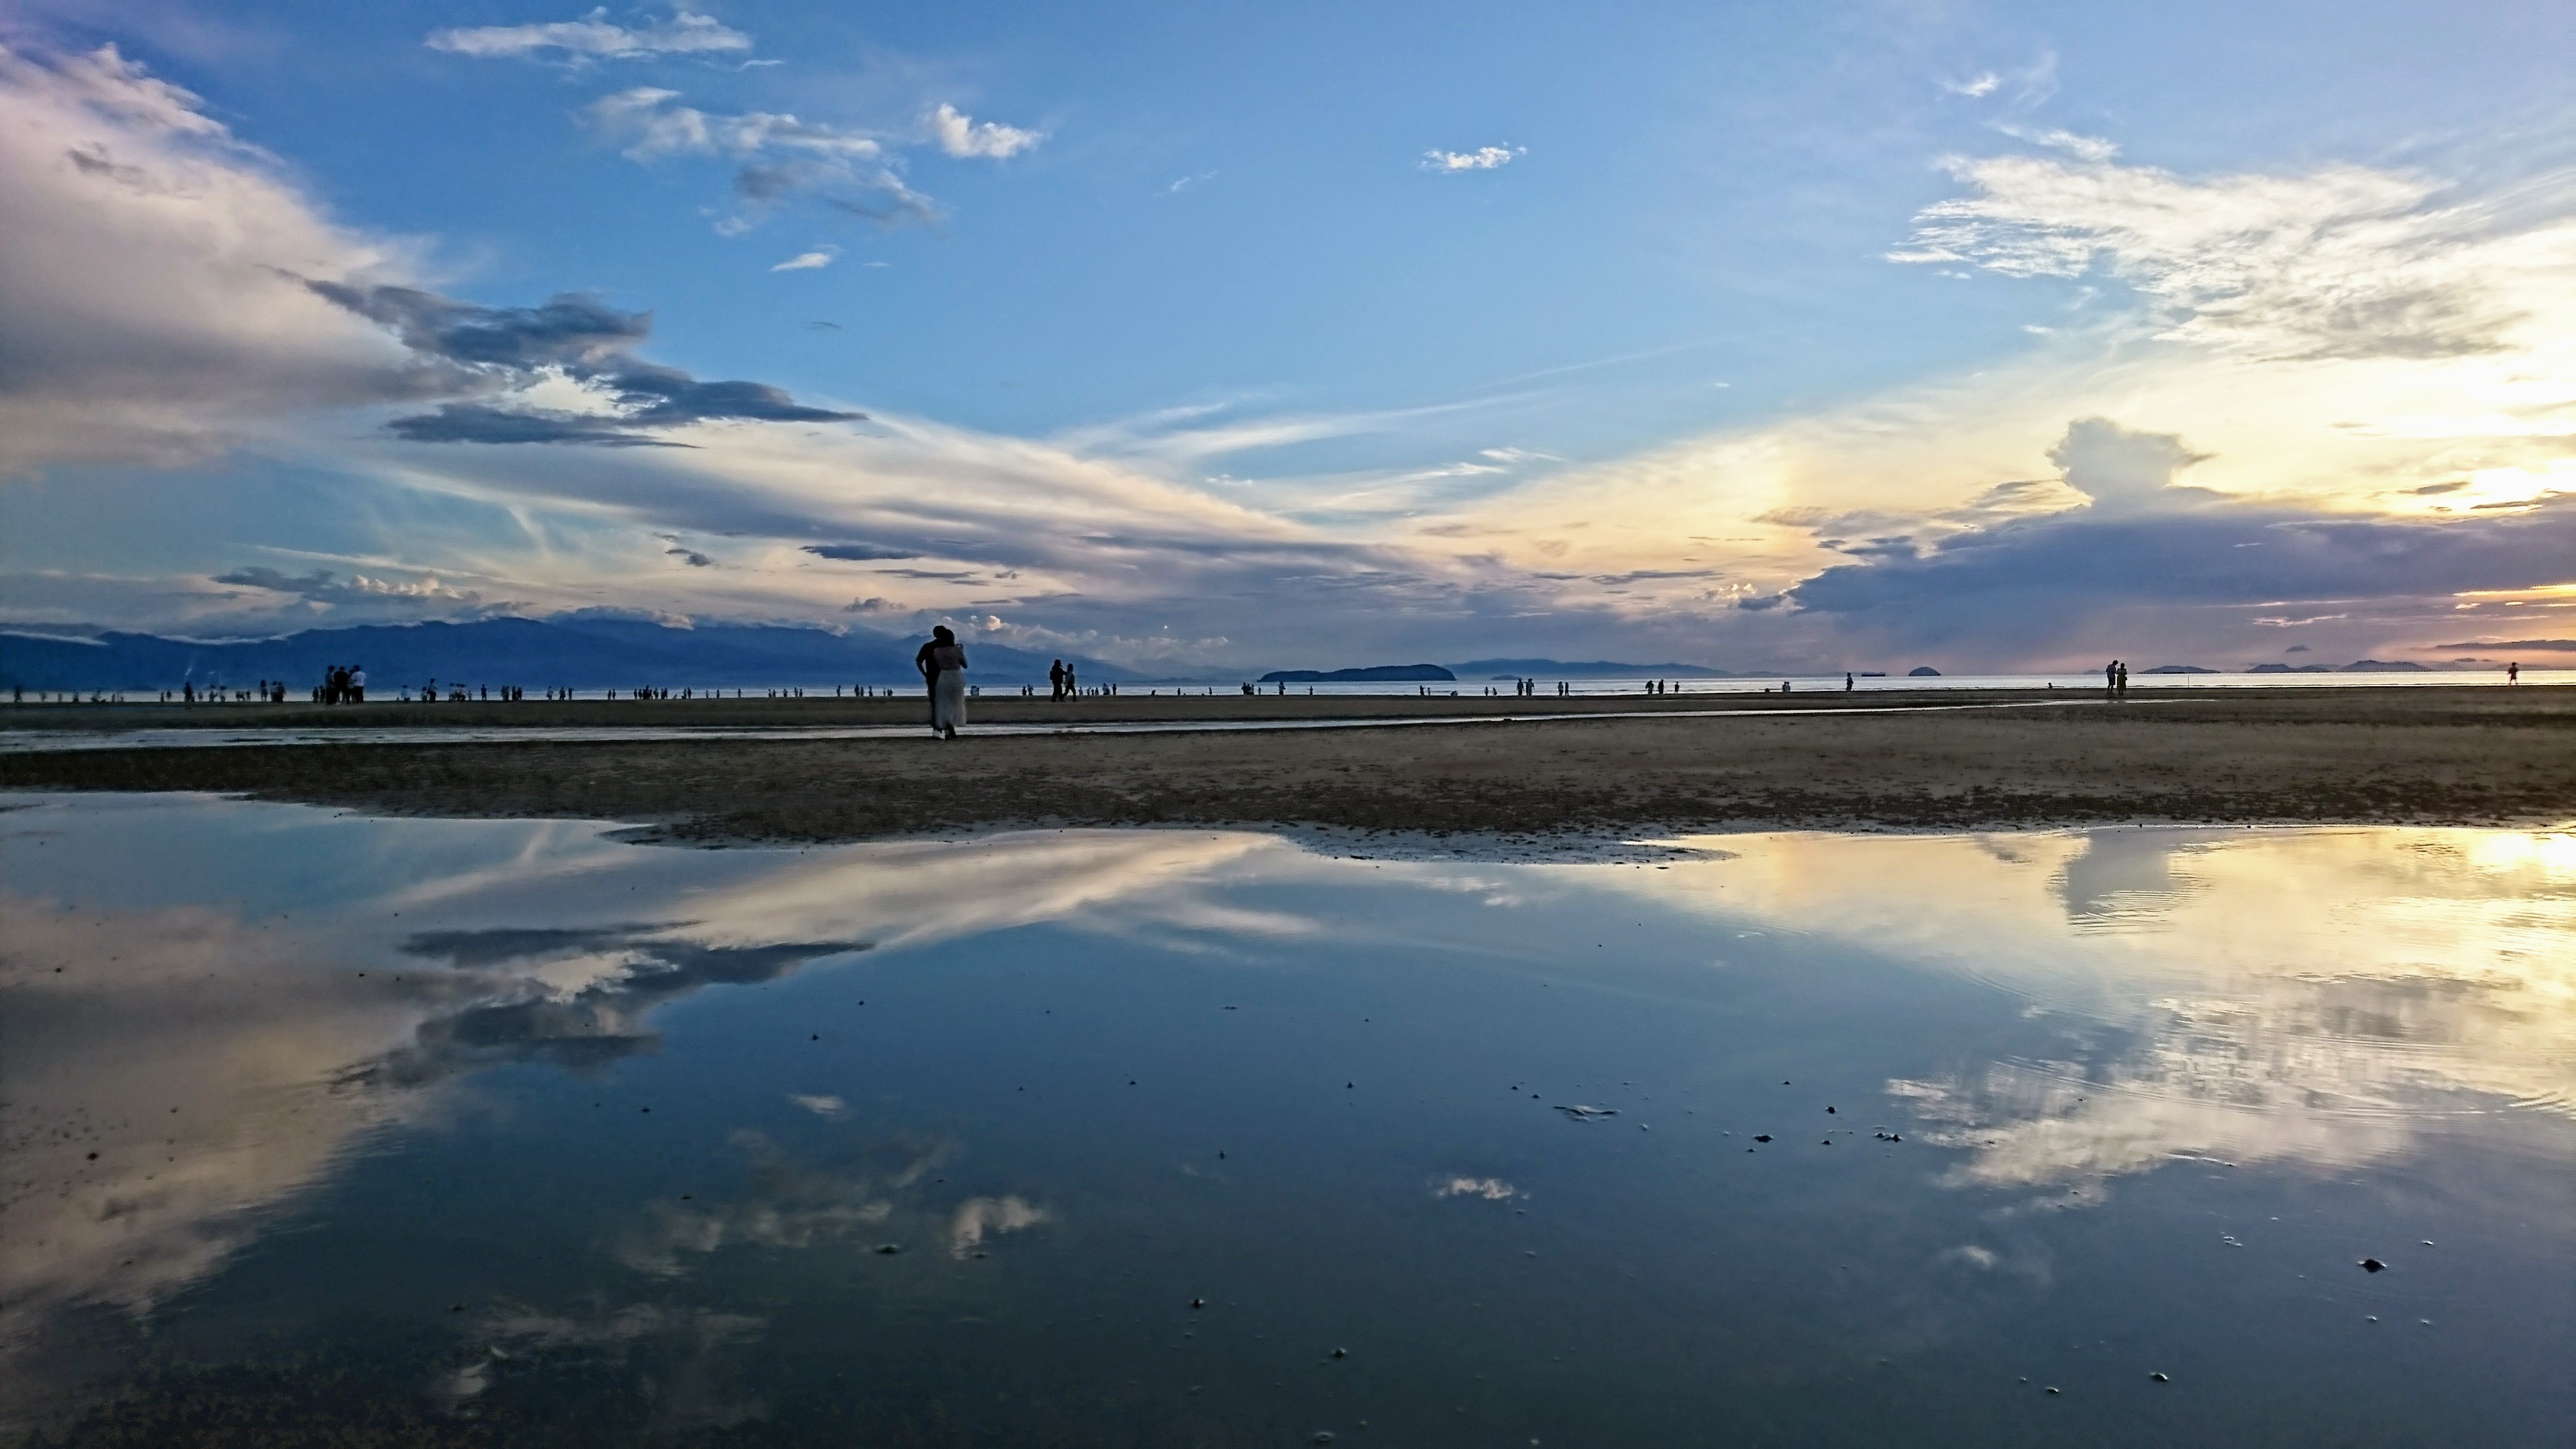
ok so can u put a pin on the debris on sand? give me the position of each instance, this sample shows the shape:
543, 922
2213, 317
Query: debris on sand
1586, 1114
1761, 1136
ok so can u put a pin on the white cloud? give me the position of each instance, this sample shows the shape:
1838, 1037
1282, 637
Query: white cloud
594, 37
812, 261
962, 135
1483, 158
1984, 83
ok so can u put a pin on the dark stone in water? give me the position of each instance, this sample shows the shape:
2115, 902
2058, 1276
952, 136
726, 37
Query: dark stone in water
889, 1248
2372, 1265
1761, 1136
1341, 1353
2160, 1378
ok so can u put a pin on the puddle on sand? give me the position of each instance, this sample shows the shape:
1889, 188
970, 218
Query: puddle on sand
511, 1132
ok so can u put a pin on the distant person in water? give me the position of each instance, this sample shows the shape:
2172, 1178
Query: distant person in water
942, 662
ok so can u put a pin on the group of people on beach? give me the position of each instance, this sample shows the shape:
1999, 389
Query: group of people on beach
342, 684
2115, 678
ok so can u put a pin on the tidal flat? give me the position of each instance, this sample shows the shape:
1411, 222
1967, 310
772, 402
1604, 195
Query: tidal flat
1570, 771
323, 1126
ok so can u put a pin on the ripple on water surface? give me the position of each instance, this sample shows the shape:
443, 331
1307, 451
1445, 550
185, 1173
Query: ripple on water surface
513, 1132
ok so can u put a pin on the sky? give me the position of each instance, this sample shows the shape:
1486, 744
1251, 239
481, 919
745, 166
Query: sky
1760, 336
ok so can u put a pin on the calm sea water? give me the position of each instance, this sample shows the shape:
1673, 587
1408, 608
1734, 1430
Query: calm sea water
512, 1132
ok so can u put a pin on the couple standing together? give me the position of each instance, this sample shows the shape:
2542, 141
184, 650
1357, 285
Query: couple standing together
942, 663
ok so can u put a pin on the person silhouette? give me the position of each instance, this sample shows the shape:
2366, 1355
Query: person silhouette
942, 663
2513, 673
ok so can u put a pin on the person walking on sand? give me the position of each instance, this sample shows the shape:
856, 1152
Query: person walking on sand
942, 663
2513, 672
1055, 680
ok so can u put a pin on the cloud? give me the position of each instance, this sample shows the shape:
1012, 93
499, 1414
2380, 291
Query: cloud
1483, 158
813, 261
574, 337
2026, 582
1984, 83
691, 557
779, 155
848, 551
2549, 645
2120, 469
323, 587
150, 315
594, 37
2344, 262
960, 135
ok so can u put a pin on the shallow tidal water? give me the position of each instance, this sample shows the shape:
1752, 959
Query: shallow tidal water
515, 1132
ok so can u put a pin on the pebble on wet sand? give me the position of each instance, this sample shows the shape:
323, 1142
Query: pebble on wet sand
2160, 1378
2373, 1265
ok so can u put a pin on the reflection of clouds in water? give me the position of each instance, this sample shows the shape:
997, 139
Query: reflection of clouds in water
689, 1356
1491, 1189
601, 1021
517, 942
789, 1206
2301, 995
199, 1087
978, 1216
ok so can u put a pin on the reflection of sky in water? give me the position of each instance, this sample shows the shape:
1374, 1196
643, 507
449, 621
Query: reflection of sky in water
543, 1121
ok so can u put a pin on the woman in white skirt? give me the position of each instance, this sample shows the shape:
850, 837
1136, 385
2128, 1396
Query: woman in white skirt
942, 662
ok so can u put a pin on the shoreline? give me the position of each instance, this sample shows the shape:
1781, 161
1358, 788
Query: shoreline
2478, 755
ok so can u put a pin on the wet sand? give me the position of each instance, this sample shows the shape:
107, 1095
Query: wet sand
2473, 755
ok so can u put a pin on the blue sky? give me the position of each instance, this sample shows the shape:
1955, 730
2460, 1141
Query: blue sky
1758, 335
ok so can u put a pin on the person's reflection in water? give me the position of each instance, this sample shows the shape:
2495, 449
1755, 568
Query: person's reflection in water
942, 663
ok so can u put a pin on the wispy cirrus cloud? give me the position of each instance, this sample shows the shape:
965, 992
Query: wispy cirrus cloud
594, 37
2339, 262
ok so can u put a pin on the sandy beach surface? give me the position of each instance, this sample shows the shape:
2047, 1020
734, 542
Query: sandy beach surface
2474, 755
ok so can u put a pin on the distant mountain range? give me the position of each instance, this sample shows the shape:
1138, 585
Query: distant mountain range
1593, 669
1374, 674
564, 652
